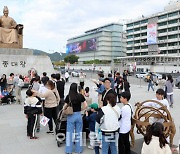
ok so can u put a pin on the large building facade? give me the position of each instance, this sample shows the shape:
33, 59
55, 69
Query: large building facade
155, 40
104, 43
156, 34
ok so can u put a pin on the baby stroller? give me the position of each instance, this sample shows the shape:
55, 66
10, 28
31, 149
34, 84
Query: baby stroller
61, 128
7, 97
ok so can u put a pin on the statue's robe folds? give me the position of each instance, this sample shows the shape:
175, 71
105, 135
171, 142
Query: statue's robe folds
7, 33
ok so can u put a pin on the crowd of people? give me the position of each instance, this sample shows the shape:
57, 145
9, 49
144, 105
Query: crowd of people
109, 125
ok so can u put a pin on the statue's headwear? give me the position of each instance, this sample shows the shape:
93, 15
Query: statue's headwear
5, 9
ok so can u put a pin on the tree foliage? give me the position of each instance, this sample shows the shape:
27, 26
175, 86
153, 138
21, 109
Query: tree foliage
71, 59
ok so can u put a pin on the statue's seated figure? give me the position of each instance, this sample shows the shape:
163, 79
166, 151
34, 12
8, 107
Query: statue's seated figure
10, 32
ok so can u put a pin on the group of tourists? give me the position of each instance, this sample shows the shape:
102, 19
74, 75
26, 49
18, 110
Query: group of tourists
109, 125
11, 88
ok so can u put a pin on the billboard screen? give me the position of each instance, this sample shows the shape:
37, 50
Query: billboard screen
83, 46
151, 34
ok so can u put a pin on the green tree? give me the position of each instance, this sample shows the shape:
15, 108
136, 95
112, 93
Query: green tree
71, 59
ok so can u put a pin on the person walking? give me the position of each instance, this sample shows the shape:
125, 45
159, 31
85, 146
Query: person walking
66, 76
169, 90
74, 121
150, 82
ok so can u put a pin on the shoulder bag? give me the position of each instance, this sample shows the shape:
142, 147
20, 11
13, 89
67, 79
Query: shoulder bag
69, 109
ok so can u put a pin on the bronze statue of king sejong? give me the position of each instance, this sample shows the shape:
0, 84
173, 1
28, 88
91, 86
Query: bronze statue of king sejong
10, 31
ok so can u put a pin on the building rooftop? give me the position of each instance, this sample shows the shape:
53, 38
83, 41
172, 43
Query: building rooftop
95, 30
98, 28
171, 7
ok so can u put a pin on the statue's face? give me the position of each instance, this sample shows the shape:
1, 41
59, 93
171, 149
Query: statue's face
6, 13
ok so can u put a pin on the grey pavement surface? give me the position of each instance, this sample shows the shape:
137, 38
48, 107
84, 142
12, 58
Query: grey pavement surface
13, 139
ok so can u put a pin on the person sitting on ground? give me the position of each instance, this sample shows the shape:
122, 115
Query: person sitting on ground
155, 141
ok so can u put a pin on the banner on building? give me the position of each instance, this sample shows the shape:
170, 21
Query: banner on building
152, 33
78, 47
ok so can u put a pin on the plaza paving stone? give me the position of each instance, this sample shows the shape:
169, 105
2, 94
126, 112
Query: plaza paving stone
13, 139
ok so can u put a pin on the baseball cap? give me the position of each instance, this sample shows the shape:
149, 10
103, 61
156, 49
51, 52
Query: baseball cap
94, 106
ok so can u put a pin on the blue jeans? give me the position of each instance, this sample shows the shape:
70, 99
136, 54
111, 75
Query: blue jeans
74, 122
150, 84
109, 141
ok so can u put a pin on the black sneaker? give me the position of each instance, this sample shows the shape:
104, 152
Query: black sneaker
38, 130
50, 132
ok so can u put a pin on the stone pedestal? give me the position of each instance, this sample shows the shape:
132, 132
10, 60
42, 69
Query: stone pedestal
20, 61
18, 45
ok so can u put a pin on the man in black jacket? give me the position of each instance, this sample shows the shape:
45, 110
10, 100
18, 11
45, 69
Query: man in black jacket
107, 84
60, 83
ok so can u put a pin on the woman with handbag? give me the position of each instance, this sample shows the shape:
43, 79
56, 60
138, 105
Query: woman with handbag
72, 108
50, 105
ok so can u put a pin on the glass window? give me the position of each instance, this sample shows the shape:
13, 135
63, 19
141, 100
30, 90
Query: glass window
162, 38
130, 30
130, 36
162, 45
137, 47
172, 36
137, 53
144, 40
145, 27
129, 48
130, 42
172, 44
162, 23
173, 21
144, 47
163, 16
137, 23
162, 31
130, 25
144, 53
143, 34
137, 35
172, 29
129, 54
137, 41
137, 29
172, 14
144, 21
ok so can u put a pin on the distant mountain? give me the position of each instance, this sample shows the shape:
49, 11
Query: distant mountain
56, 56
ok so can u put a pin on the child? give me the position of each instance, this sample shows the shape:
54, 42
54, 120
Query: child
125, 124
92, 120
108, 120
155, 141
5, 96
32, 107
160, 93
86, 95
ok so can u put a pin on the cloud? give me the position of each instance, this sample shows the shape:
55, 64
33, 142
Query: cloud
48, 24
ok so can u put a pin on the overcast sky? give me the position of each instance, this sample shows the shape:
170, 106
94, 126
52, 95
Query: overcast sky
49, 23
